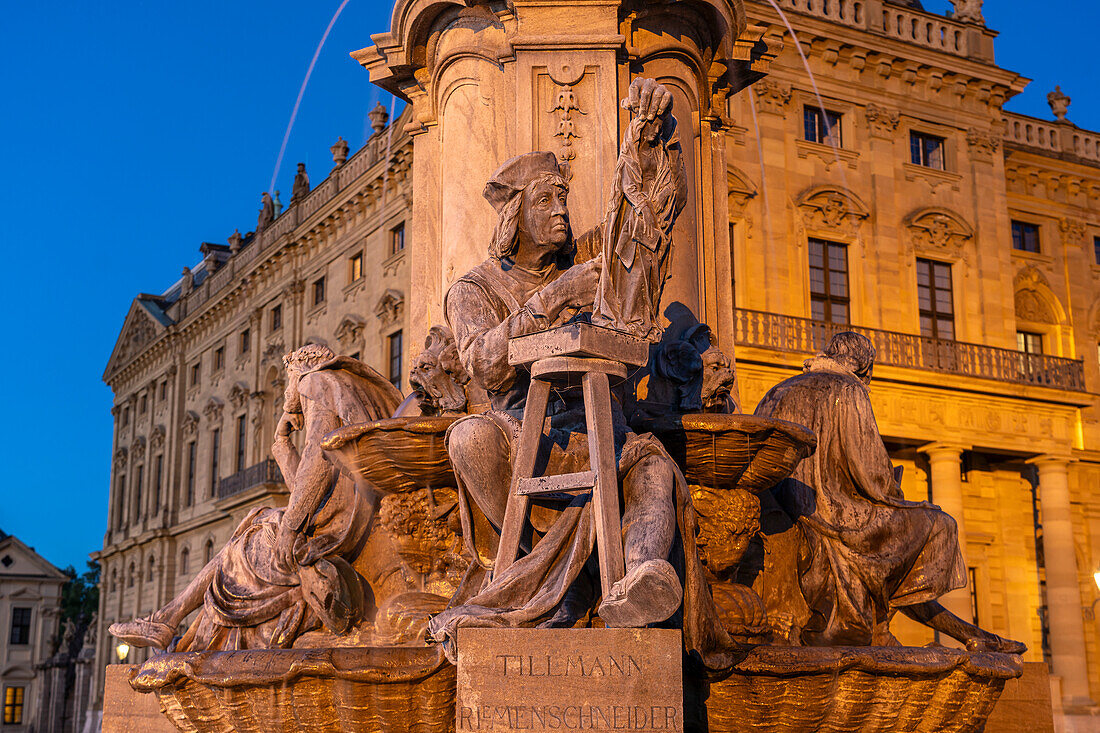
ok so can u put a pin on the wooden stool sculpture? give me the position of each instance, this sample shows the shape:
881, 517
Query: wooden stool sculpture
563, 357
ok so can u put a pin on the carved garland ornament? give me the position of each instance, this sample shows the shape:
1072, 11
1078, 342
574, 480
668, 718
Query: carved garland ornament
982, 143
831, 209
772, 96
565, 104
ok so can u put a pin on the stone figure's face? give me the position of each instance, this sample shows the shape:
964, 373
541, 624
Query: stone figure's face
544, 218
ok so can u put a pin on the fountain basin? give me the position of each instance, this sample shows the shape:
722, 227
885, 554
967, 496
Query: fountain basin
388, 690
736, 451
395, 455
866, 689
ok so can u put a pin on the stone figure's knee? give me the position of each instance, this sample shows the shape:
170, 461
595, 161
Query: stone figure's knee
474, 440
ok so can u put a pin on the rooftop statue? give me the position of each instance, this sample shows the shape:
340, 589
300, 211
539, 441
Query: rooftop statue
267, 212
301, 184
863, 552
532, 281
285, 572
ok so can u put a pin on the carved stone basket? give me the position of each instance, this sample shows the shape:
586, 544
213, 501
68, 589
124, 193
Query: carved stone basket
395, 455
388, 690
866, 689
736, 451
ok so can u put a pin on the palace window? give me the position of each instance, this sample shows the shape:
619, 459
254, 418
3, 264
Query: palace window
319, 291
397, 238
246, 341
158, 480
934, 300
20, 626
192, 450
828, 281
120, 508
185, 560
152, 569
395, 358
196, 373
355, 267
927, 150
822, 126
219, 358
1029, 343
215, 448
973, 578
208, 553
13, 705
125, 416
1025, 236
277, 317
143, 404
164, 389
139, 479
1096, 249
240, 442
130, 577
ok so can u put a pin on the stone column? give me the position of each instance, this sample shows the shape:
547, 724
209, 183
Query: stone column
947, 492
1065, 622
506, 79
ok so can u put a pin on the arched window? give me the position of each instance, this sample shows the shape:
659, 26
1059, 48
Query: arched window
130, 577
152, 568
114, 579
208, 554
185, 556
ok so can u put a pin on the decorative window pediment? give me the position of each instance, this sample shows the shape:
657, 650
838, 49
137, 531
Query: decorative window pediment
832, 209
938, 231
389, 306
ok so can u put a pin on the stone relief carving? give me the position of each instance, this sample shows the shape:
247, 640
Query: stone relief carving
349, 331
938, 230
1073, 230
1030, 278
1031, 306
274, 350
389, 306
238, 395
741, 190
832, 209
213, 411
982, 143
882, 122
190, 423
137, 450
121, 457
772, 96
156, 439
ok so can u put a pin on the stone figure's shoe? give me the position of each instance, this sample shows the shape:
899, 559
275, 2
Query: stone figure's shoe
649, 594
143, 632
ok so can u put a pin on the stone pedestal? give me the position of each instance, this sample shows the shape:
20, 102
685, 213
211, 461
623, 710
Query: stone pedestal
127, 711
1025, 705
570, 679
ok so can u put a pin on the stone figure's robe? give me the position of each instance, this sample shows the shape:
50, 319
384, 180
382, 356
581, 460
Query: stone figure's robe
254, 603
637, 233
865, 550
547, 588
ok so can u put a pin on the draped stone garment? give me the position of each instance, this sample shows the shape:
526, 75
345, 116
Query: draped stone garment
865, 549
254, 603
484, 309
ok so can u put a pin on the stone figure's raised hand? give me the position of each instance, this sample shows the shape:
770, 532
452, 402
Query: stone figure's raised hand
288, 423
646, 98
576, 288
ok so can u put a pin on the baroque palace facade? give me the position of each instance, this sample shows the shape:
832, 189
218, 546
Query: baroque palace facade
875, 181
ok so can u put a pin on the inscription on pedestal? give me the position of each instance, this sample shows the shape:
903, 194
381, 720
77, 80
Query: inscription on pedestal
570, 679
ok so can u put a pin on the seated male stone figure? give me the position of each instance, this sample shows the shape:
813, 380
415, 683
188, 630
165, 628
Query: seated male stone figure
528, 284
288, 571
861, 550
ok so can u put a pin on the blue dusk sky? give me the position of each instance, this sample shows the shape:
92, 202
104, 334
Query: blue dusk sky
133, 131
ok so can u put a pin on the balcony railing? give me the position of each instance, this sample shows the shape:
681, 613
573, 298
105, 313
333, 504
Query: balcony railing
804, 336
265, 472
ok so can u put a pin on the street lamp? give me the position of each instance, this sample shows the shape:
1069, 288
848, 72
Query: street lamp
122, 650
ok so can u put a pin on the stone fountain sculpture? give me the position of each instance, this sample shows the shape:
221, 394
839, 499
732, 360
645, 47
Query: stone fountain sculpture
777, 546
